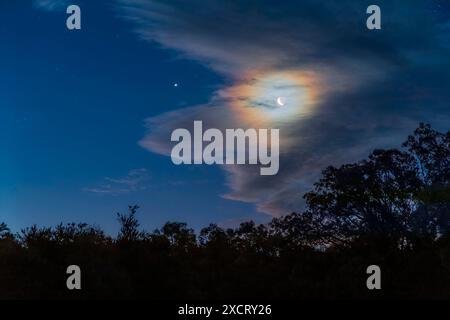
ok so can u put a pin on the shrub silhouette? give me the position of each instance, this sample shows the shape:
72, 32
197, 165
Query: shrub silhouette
392, 209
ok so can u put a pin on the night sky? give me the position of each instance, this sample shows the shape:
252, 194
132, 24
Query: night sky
86, 115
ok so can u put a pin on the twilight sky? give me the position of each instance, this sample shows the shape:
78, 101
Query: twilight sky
87, 115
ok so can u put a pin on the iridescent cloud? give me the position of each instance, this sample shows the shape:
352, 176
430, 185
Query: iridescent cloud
334, 89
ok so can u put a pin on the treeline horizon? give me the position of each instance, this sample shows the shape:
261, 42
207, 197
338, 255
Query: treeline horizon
391, 210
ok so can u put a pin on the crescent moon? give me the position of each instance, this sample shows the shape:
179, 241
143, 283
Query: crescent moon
280, 101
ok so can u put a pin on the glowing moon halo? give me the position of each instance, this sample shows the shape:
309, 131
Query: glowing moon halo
281, 102
266, 97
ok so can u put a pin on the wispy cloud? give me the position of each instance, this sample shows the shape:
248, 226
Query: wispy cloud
372, 88
134, 181
51, 5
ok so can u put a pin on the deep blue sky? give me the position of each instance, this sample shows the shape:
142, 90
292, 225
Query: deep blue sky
86, 115
73, 105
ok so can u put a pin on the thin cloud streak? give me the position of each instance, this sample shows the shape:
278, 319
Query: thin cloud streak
134, 181
50, 5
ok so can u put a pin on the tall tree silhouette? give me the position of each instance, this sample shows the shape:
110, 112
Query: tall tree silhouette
129, 225
431, 151
394, 193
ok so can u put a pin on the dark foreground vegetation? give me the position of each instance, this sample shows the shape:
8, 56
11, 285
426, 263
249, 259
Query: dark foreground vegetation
392, 210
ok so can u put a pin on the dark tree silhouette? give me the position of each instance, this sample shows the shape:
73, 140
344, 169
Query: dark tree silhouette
3, 229
391, 209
